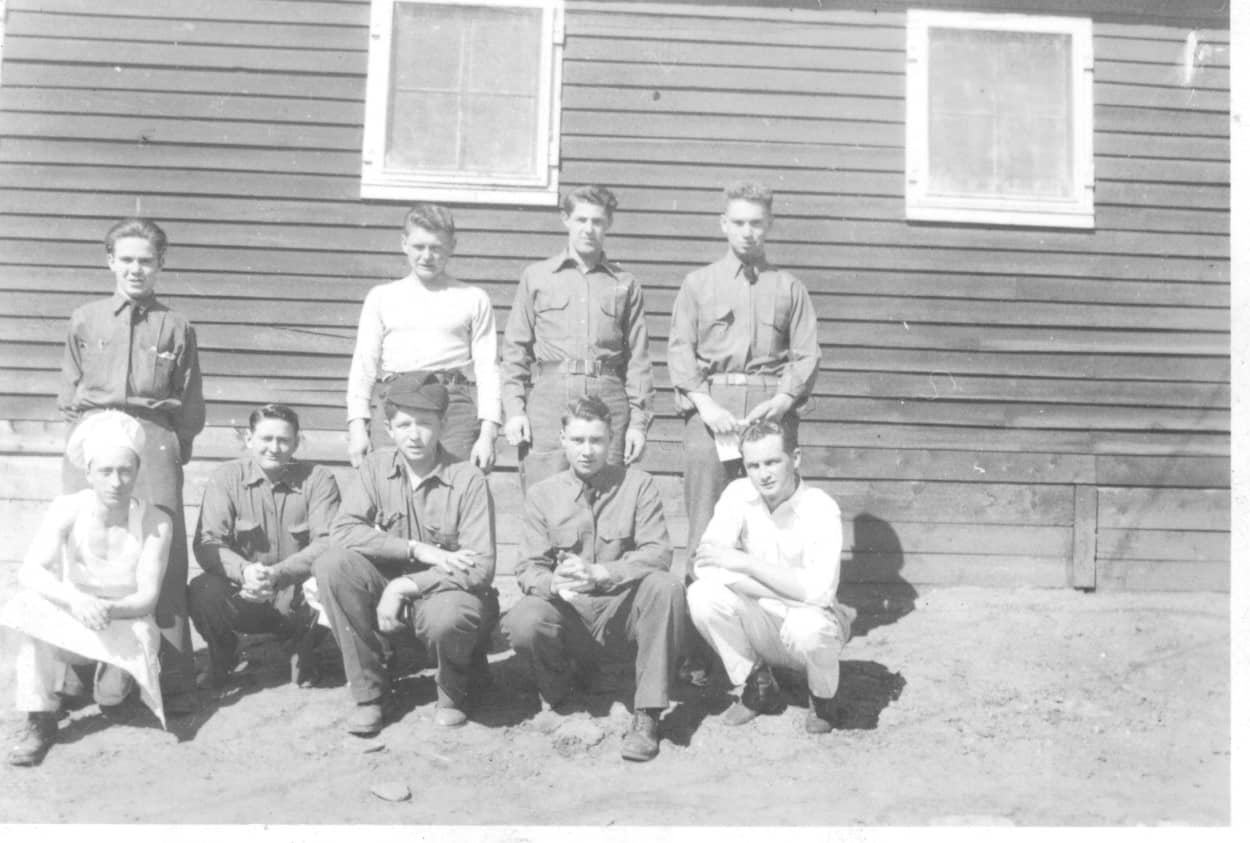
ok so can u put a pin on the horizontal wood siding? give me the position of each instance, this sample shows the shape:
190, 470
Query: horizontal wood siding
973, 378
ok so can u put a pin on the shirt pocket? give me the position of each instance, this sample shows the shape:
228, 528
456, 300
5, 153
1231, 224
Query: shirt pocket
250, 539
154, 376
300, 533
610, 331
567, 538
773, 316
551, 316
95, 357
614, 541
448, 540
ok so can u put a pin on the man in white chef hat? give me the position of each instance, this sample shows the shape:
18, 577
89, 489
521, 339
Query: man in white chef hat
89, 585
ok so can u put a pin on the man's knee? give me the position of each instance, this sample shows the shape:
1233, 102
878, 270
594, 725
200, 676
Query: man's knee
662, 589
809, 631
208, 593
531, 621
449, 614
337, 567
707, 599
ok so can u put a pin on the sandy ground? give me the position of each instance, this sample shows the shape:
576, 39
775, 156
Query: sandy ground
977, 706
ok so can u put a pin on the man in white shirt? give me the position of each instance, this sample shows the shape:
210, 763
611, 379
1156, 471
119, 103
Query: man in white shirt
767, 569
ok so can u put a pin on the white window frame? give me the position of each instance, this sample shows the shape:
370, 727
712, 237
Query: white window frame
539, 188
1077, 212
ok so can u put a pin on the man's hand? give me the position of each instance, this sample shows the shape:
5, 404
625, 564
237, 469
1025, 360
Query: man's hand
483, 453
635, 444
716, 417
257, 583
571, 574
91, 612
450, 561
772, 409
391, 608
357, 441
517, 430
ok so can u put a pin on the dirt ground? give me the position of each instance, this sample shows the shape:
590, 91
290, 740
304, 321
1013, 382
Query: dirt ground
977, 706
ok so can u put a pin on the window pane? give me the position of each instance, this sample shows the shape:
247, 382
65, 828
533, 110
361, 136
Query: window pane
466, 89
1000, 113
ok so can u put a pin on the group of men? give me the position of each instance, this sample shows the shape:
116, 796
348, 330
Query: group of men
410, 548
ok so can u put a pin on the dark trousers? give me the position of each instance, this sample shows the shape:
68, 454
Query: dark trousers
218, 612
556, 635
454, 626
544, 406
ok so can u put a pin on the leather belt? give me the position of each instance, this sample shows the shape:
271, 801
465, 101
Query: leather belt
589, 368
448, 377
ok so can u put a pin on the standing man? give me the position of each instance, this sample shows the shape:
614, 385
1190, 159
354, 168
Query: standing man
743, 346
264, 519
578, 327
593, 566
414, 551
767, 570
131, 353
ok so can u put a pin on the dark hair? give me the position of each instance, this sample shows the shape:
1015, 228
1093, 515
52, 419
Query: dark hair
430, 217
589, 408
273, 411
751, 191
763, 428
137, 227
591, 194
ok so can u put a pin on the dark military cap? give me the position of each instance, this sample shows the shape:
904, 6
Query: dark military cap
417, 391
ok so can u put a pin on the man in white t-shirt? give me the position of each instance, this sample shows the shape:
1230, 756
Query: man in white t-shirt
767, 569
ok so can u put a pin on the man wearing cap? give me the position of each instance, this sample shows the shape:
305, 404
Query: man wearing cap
593, 566
89, 585
413, 551
743, 346
577, 327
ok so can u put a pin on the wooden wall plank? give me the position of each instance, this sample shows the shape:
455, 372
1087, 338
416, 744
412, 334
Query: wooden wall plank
1163, 471
1165, 545
1163, 575
1087, 520
1165, 509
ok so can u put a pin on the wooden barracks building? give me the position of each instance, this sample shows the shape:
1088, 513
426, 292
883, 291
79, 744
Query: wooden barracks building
1012, 217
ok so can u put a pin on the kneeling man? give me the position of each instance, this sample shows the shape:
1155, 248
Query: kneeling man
265, 518
89, 586
413, 550
593, 566
767, 570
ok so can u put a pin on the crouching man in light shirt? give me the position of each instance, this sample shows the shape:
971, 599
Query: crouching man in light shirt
766, 581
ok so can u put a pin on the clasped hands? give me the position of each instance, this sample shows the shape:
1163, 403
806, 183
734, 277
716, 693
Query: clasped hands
574, 574
399, 592
720, 420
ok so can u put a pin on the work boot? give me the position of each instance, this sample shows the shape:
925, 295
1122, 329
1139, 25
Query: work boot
366, 719
760, 695
305, 662
36, 739
821, 716
448, 715
222, 660
643, 741
112, 686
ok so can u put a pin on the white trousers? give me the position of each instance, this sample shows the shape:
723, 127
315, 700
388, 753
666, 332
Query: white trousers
40, 673
745, 636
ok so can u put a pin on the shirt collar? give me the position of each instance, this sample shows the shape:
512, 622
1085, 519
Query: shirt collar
566, 259
736, 267
399, 467
607, 479
254, 474
139, 306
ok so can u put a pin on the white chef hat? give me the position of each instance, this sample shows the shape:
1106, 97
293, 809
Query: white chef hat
100, 432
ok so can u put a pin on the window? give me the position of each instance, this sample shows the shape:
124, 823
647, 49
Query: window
1000, 119
462, 101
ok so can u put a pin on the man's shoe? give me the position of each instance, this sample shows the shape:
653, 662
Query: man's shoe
112, 686
366, 719
449, 716
221, 663
760, 695
36, 739
821, 716
643, 741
